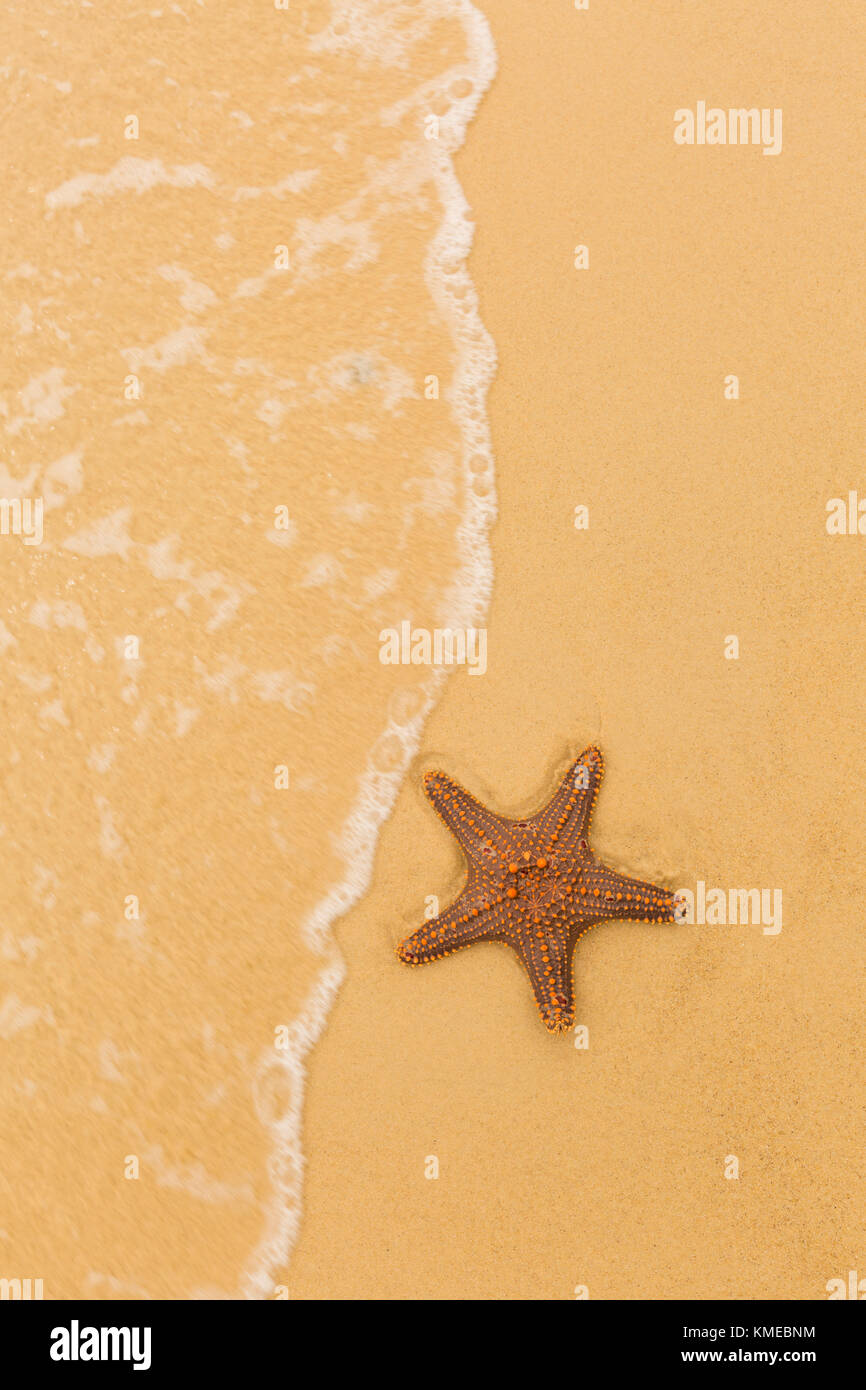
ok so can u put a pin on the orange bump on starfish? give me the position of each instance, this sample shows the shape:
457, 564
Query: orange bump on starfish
528, 885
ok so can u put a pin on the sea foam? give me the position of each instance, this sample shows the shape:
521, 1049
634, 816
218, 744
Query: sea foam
369, 29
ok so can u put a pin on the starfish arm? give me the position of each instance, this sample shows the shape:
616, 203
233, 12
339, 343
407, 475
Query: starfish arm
548, 963
460, 925
475, 828
567, 815
617, 898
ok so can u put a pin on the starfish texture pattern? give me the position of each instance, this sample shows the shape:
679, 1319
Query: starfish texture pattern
534, 884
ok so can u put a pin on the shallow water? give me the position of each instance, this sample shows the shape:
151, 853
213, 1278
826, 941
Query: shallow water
234, 258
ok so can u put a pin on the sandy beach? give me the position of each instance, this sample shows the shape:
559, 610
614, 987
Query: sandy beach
248, 378
604, 1169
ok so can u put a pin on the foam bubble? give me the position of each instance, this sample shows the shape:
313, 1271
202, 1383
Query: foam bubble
406, 706
388, 754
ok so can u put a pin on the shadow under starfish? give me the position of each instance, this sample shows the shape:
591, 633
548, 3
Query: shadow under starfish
534, 884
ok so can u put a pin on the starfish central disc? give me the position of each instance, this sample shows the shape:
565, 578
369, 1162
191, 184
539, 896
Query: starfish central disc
539, 890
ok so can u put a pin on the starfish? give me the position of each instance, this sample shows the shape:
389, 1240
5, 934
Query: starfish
534, 884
